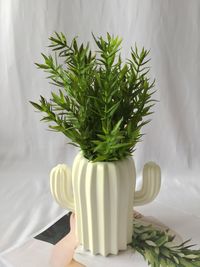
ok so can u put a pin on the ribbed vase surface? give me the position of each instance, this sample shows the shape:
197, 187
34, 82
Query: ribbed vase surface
104, 195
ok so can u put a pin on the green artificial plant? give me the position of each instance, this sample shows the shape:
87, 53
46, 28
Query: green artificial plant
101, 103
159, 249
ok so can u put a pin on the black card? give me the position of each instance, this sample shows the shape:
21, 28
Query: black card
56, 231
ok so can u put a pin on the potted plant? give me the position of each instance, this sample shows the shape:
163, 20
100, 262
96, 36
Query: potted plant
101, 106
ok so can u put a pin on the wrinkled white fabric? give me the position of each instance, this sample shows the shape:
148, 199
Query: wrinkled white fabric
171, 29
36, 253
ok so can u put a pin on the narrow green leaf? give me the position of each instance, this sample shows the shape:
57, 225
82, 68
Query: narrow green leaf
37, 106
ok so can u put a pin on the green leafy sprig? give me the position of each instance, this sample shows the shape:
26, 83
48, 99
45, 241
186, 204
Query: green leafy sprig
158, 248
101, 103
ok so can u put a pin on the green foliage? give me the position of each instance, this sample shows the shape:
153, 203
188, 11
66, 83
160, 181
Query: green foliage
158, 249
102, 103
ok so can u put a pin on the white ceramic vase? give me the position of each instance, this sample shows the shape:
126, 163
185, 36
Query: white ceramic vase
102, 195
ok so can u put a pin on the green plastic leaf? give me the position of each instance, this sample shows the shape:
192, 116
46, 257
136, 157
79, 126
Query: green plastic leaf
37, 106
150, 243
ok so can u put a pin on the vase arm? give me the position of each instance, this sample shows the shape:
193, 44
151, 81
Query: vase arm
61, 186
150, 186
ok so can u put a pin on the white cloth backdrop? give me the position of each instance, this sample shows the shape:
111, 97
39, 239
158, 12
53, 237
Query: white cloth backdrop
171, 29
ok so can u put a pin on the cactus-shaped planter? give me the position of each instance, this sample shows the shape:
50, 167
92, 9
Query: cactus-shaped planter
103, 195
